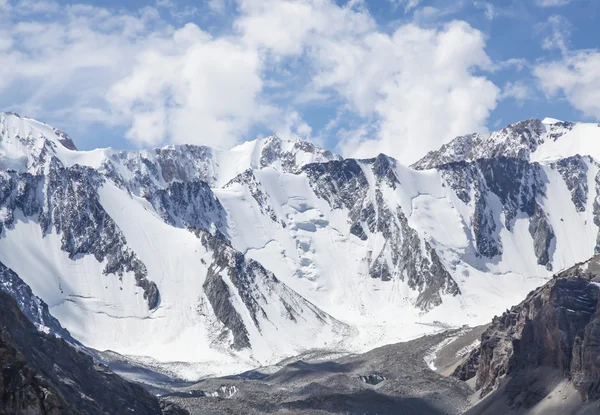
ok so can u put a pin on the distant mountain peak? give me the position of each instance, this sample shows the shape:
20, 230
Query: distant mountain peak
14, 124
532, 140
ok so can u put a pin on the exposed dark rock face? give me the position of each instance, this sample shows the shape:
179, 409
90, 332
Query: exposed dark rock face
188, 204
468, 369
218, 292
357, 230
66, 201
574, 171
65, 140
372, 379
343, 184
516, 140
249, 180
513, 184
42, 374
543, 235
185, 163
557, 326
30, 305
247, 277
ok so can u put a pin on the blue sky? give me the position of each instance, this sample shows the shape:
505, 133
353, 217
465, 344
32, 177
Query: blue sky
358, 77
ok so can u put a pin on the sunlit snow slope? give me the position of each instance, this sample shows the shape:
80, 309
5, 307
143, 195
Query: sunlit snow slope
230, 259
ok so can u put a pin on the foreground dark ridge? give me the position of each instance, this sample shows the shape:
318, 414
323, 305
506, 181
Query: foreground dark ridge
42, 374
553, 336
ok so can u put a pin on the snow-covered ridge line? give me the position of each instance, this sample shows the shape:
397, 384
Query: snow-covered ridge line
533, 140
25, 140
274, 241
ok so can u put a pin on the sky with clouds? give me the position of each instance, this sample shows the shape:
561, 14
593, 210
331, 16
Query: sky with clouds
359, 77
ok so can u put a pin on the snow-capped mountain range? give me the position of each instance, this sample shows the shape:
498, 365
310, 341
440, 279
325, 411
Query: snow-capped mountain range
228, 259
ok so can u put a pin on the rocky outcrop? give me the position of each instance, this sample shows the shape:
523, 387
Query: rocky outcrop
65, 201
42, 374
543, 235
404, 255
512, 184
516, 140
188, 204
574, 171
248, 179
289, 156
557, 326
32, 307
234, 282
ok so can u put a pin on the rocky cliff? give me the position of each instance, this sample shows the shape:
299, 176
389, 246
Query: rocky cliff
557, 326
43, 374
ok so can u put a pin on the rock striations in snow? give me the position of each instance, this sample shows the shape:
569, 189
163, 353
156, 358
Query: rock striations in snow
233, 258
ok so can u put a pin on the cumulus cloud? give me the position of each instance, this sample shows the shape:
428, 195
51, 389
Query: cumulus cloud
289, 28
193, 88
133, 70
577, 77
407, 91
519, 91
552, 3
415, 88
418, 85
72, 59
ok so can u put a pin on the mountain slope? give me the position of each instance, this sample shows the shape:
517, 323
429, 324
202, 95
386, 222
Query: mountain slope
218, 258
550, 336
531, 140
42, 374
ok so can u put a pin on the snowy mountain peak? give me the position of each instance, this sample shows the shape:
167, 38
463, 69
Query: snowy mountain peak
28, 129
551, 121
25, 143
223, 256
545, 140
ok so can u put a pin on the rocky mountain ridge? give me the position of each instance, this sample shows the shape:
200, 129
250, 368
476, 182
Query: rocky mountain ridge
555, 327
43, 374
235, 251
520, 140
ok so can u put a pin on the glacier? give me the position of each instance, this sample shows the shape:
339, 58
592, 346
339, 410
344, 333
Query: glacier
210, 262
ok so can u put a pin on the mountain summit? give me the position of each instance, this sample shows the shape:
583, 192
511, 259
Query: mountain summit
218, 258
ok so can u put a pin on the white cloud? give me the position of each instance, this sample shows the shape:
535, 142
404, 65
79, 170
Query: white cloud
577, 77
291, 126
488, 9
417, 84
415, 88
178, 12
133, 70
560, 32
288, 28
24, 7
217, 6
519, 91
191, 88
551, 3
67, 63
408, 91
407, 4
